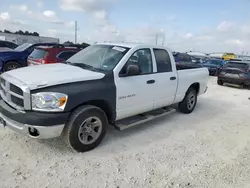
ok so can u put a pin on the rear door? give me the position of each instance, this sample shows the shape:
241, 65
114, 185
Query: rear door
165, 79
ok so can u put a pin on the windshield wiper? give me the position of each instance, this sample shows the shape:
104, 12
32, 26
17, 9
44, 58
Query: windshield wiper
84, 66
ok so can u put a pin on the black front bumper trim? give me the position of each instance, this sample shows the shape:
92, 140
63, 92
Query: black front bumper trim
34, 118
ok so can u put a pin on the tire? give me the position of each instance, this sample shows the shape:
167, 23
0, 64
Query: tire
187, 105
80, 128
220, 82
216, 72
11, 65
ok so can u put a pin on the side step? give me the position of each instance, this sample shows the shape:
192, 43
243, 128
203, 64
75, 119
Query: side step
142, 118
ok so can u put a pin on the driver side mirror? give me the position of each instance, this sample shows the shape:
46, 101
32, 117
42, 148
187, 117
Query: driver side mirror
131, 70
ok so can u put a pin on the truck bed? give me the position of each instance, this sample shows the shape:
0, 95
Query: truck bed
187, 77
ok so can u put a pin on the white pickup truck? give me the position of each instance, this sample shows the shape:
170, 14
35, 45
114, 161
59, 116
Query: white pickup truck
105, 84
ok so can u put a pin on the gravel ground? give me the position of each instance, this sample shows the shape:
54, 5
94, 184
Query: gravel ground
208, 148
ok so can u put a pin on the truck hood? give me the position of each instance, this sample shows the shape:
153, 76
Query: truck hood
40, 76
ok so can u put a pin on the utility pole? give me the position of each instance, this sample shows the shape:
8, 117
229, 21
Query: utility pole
75, 32
156, 40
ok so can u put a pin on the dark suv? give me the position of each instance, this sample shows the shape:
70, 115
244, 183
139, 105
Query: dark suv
185, 61
52, 54
214, 66
235, 72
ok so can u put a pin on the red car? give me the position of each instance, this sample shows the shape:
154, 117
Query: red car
55, 54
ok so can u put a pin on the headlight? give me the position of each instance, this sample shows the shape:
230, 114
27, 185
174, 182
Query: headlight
49, 101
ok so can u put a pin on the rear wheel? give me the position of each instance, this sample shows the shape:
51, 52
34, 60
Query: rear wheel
216, 72
220, 82
86, 128
11, 66
189, 102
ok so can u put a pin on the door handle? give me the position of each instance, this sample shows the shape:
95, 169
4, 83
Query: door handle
173, 78
150, 81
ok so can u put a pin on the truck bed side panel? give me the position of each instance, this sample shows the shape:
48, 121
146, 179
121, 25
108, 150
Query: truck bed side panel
188, 77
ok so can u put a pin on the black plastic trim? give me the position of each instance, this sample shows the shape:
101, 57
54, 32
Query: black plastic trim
98, 92
33, 118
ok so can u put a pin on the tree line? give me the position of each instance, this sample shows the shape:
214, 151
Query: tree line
20, 32
71, 43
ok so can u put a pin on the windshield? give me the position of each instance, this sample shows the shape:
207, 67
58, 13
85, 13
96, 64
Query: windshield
38, 54
101, 57
22, 47
214, 62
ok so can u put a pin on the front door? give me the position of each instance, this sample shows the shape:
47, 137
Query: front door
134, 93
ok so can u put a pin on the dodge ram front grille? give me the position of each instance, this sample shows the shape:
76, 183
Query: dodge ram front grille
16, 89
12, 92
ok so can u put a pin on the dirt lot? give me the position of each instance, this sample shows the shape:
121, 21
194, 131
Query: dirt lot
209, 148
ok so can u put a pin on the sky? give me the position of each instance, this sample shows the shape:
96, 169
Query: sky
182, 25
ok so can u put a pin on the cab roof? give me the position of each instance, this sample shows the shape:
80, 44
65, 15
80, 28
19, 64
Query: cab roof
133, 45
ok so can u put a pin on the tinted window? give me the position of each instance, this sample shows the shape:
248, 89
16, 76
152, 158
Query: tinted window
11, 45
162, 60
2, 44
181, 57
66, 55
38, 54
236, 65
214, 62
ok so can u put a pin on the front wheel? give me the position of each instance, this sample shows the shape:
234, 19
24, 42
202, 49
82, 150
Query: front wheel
189, 102
220, 82
86, 128
11, 66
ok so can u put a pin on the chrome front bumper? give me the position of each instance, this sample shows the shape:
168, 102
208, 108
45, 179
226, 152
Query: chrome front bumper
43, 132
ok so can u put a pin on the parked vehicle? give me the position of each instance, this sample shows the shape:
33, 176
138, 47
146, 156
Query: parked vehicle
214, 66
185, 61
199, 56
17, 58
118, 84
229, 56
52, 54
235, 72
7, 45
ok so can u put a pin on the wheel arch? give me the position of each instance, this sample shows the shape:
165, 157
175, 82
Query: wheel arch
103, 105
196, 86
15, 61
